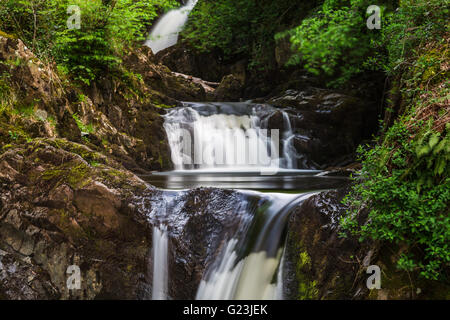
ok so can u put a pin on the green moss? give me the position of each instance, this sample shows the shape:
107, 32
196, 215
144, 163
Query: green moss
6, 35
92, 157
160, 161
428, 65
79, 176
162, 106
304, 260
76, 174
7, 147
307, 288
64, 222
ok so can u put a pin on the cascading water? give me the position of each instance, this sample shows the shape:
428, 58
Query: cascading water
160, 264
251, 268
229, 136
165, 33
160, 240
231, 142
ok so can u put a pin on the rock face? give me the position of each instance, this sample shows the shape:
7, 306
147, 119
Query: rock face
181, 58
57, 209
320, 264
328, 125
199, 222
230, 89
62, 204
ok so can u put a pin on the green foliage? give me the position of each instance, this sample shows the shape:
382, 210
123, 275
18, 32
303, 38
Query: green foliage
405, 185
89, 128
413, 24
242, 28
336, 42
107, 29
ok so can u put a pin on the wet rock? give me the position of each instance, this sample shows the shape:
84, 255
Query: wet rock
199, 223
275, 120
230, 89
65, 210
69, 212
328, 125
320, 264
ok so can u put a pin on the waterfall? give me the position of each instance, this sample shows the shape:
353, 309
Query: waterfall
165, 33
288, 149
251, 268
229, 136
224, 141
160, 264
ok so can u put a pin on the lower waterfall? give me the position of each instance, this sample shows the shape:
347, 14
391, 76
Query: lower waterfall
251, 268
160, 264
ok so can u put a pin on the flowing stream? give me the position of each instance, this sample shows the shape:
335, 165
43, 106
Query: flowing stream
228, 136
230, 145
160, 265
222, 145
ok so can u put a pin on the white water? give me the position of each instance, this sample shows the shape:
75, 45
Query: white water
226, 141
252, 277
165, 33
160, 264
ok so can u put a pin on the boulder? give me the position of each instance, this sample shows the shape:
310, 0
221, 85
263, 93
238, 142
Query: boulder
58, 209
328, 125
321, 264
230, 89
182, 59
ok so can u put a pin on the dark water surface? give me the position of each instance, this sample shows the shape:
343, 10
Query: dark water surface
292, 181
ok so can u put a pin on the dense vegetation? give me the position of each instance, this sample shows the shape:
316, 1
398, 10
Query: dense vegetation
405, 182
107, 28
335, 40
243, 28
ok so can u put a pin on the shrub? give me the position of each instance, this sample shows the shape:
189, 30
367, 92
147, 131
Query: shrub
107, 29
335, 41
242, 28
405, 185
405, 179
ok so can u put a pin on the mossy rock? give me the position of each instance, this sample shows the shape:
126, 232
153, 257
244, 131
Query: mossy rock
6, 35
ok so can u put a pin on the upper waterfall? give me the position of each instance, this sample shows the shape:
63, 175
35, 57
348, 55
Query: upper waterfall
165, 33
228, 136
